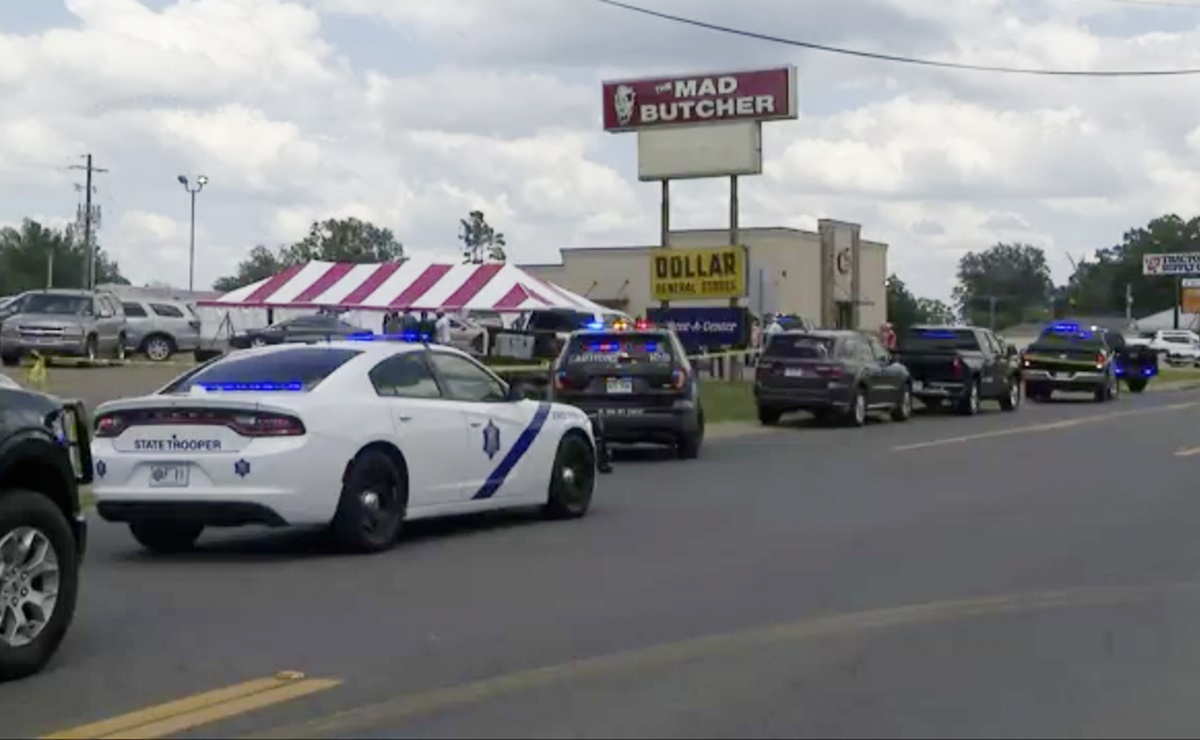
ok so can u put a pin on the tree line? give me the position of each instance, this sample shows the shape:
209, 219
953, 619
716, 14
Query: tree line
1009, 283
34, 256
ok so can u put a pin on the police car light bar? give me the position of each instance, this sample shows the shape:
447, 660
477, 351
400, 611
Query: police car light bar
250, 387
408, 336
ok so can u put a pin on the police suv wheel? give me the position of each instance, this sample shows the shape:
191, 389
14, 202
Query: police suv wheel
372, 505
856, 415
768, 416
166, 536
39, 582
904, 409
572, 479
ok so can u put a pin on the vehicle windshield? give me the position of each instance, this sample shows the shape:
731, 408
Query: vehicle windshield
800, 346
293, 369
53, 303
620, 347
938, 340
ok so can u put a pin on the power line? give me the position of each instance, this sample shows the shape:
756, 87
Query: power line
896, 58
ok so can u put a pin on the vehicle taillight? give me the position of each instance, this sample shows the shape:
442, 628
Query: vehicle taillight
266, 425
763, 369
1025, 361
956, 367
641, 324
563, 381
829, 371
679, 378
1100, 360
110, 425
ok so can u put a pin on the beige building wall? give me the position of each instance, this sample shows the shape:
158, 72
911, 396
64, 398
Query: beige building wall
789, 281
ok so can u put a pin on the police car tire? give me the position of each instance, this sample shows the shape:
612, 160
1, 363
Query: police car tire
768, 416
1011, 400
349, 527
20, 508
1136, 385
166, 536
565, 501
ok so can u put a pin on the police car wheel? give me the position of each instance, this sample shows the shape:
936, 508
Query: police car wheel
166, 537
969, 405
1136, 385
768, 416
1011, 399
572, 479
38, 552
372, 504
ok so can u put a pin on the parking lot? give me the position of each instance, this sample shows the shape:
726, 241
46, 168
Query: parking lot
1024, 573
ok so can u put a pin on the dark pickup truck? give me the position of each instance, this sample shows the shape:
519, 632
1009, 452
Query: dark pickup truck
961, 366
44, 457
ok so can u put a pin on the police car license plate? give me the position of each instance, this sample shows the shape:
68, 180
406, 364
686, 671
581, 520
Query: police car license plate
620, 385
168, 476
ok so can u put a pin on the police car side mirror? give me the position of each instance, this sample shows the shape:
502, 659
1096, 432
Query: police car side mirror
516, 392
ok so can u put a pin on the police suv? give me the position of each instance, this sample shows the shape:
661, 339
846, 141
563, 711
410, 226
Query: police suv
638, 381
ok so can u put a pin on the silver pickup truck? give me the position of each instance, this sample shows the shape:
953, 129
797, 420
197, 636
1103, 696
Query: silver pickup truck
73, 323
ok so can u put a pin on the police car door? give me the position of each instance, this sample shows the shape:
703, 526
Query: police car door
501, 434
429, 431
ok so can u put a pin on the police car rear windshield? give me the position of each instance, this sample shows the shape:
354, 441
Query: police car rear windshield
938, 340
1069, 336
620, 347
294, 369
800, 346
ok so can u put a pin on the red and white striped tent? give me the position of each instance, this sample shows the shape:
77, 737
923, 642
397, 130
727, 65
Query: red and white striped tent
410, 284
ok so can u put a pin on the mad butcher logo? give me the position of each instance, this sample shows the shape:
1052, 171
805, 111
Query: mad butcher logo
699, 99
175, 444
623, 103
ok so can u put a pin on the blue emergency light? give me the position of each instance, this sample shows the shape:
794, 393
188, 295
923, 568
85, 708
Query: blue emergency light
408, 336
251, 387
937, 334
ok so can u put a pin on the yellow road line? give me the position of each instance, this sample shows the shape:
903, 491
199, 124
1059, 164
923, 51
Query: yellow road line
1049, 427
190, 712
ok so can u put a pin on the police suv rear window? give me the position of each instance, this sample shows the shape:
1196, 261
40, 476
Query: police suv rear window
298, 369
620, 347
802, 346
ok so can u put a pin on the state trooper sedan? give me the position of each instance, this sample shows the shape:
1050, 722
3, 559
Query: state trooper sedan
358, 436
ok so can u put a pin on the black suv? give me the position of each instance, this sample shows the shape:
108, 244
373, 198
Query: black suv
639, 383
44, 457
833, 374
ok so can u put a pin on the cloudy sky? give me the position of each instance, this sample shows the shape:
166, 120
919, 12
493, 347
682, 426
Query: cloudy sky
411, 113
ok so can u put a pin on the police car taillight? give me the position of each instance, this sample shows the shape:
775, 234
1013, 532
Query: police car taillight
110, 425
266, 425
1100, 360
679, 378
641, 324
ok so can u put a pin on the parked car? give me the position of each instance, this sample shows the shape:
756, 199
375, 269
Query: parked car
1171, 345
468, 336
300, 329
158, 328
961, 366
45, 455
842, 375
74, 323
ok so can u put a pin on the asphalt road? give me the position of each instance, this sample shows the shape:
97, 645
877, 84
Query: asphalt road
1028, 574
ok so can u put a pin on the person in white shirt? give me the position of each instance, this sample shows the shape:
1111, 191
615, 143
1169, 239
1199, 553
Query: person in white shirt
441, 328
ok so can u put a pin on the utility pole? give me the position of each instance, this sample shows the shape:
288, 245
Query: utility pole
1129, 303
89, 216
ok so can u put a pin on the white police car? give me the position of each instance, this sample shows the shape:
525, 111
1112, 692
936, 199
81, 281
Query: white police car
359, 436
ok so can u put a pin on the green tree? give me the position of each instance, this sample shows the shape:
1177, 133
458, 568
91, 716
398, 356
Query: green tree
346, 240
35, 256
1004, 285
1097, 285
262, 263
331, 240
481, 242
905, 310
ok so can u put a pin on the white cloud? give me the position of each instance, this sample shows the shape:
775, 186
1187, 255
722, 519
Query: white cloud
300, 111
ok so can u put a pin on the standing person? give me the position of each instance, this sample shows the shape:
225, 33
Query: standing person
887, 334
774, 327
441, 328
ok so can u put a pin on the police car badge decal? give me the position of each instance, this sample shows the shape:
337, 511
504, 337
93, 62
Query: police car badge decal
491, 439
101, 468
241, 468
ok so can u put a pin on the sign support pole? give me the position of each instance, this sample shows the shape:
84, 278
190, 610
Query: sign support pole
734, 237
665, 225
1178, 298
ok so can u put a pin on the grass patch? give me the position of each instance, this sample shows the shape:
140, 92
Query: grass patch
728, 400
1178, 374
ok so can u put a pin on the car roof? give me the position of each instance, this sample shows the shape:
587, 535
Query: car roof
943, 327
819, 333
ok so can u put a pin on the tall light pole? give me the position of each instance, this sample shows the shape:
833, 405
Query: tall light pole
201, 181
